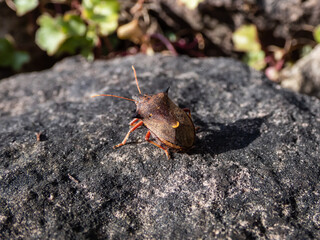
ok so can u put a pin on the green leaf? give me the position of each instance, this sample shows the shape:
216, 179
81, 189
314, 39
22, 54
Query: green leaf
76, 43
92, 35
74, 25
19, 58
9, 57
103, 14
24, 6
245, 39
107, 27
6, 51
316, 33
50, 35
87, 53
53, 32
255, 59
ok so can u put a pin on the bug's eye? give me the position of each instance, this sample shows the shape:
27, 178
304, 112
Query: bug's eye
137, 115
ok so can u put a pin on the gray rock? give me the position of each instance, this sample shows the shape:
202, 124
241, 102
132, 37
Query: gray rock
304, 76
253, 173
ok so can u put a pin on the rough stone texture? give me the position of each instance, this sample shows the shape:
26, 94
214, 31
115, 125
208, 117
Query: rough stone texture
253, 173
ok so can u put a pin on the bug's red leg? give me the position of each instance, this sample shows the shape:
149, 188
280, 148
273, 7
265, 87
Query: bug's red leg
147, 138
133, 121
139, 124
187, 110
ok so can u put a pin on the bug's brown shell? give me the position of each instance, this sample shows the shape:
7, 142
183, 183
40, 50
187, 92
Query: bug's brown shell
166, 121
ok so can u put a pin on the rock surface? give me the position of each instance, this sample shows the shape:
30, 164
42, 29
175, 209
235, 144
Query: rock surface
304, 76
253, 173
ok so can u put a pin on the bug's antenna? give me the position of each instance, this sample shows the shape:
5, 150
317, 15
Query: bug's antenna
135, 76
109, 95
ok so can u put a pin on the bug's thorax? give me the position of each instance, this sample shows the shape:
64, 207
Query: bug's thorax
169, 123
152, 105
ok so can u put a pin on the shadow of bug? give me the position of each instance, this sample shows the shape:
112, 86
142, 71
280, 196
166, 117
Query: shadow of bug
226, 137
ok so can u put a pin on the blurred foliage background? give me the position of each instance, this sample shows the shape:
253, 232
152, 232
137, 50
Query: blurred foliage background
268, 35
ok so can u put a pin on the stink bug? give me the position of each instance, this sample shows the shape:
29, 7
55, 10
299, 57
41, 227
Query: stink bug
170, 126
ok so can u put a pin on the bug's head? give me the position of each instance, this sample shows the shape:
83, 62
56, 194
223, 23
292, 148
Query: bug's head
148, 105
